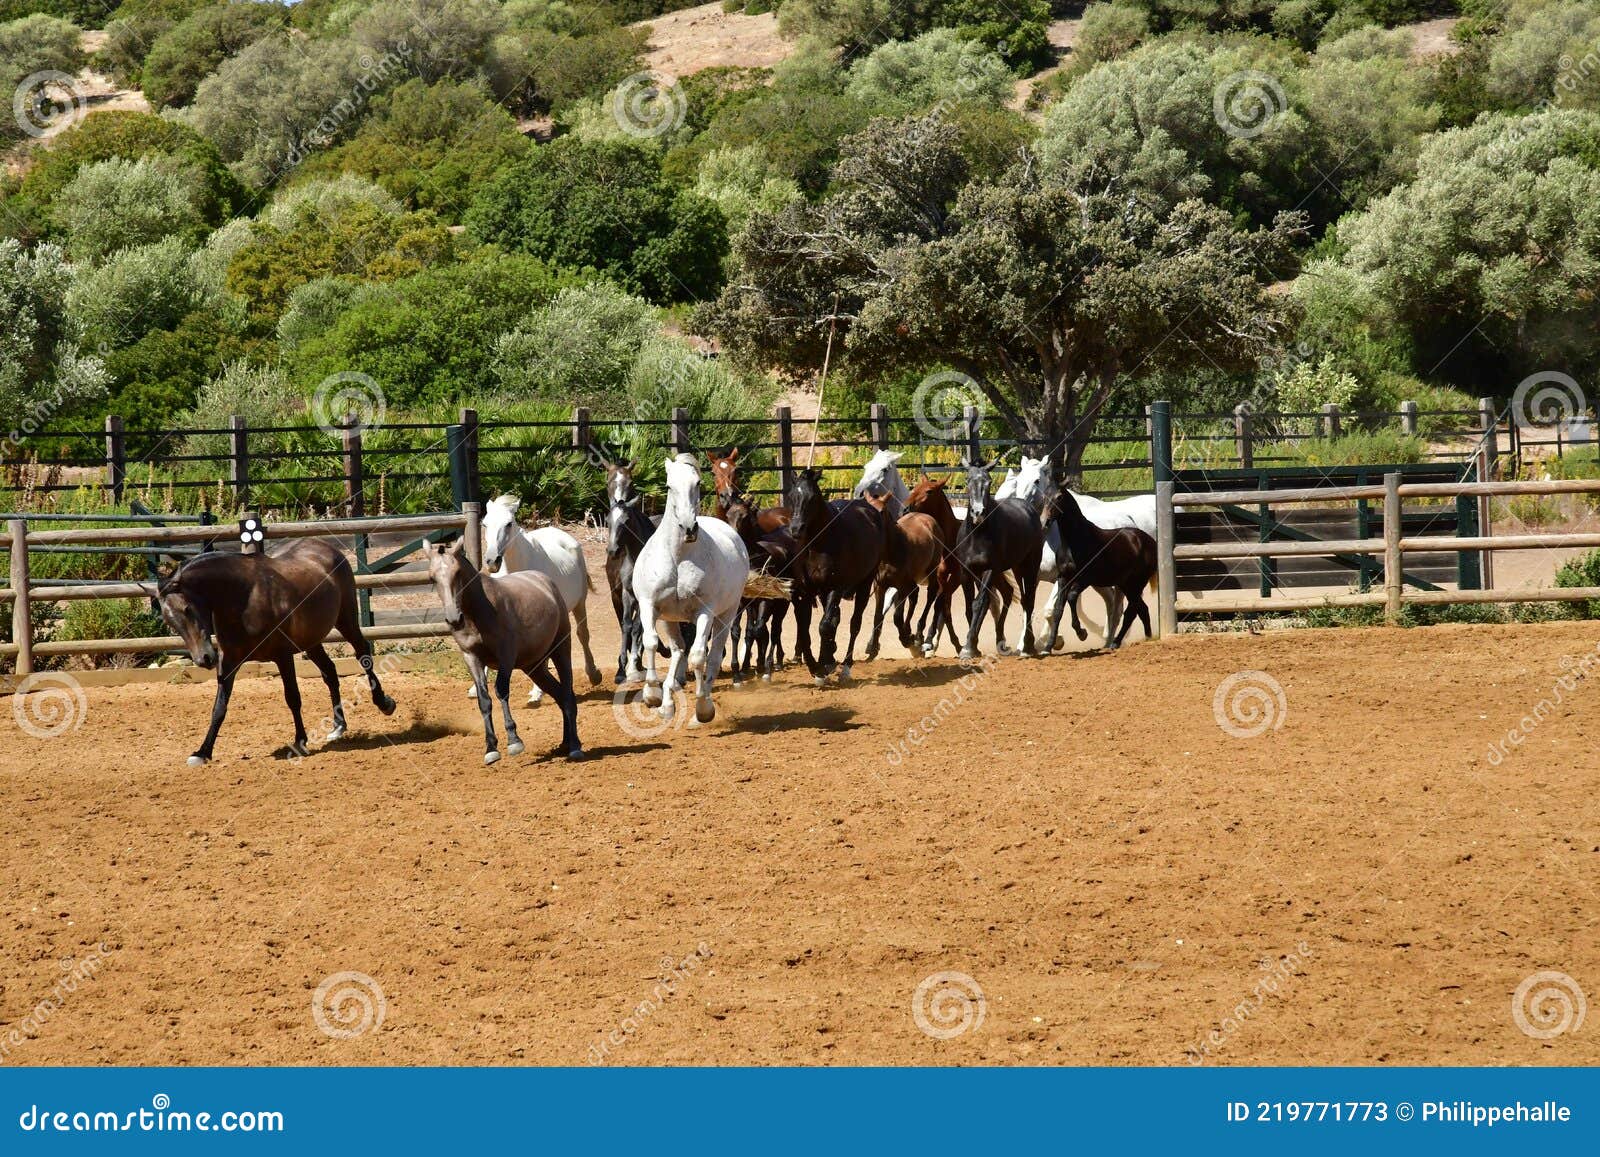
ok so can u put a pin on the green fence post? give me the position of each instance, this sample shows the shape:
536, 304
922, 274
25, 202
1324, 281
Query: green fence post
457, 443
1161, 441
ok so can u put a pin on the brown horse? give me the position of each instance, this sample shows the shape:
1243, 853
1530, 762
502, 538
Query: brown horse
770, 554
838, 546
725, 476
928, 497
511, 622
913, 552
268, 607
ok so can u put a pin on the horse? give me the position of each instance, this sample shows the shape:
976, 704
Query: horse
996, 536
692, 570
838, 546
1035, 480
928, 497
769, 553
1124, 558
912, 552
514, 621
269, 607
549, 550
882, 475
725, 477
627, 530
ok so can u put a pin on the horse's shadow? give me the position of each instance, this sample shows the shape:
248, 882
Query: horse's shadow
930, 673
825, 718
420, 732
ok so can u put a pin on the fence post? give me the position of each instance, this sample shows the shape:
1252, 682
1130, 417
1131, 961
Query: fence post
116, 457
680, 431
1408, 419
880, 425
455, 439
239, 460
972, 431
785, 417
21, 614
1242, 436
1393, 569
1166, 565
582, 433
1161, 441
473, 533
1491, 439
354, 500
469, 426
1330, 421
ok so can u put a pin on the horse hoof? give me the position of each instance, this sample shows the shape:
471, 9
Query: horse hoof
844, 672
766, 678
967, 654
651, 695
819, 680
387, 705
335, 735
490, 758
515, 747
704, 711
575, 753
198, 761
1058, 644
1082, 634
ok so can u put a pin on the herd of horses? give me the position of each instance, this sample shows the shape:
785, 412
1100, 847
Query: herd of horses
684, 584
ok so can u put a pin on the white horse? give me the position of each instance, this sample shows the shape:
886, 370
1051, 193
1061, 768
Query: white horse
881, 474
1033, 482
691, 575
548, 550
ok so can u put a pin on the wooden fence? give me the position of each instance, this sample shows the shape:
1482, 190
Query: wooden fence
23, 595
1392, 546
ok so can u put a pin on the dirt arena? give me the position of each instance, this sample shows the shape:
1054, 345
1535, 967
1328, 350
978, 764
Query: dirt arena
1116, 874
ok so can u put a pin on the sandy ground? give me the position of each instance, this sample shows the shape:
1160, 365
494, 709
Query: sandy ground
1116, 875
685, 42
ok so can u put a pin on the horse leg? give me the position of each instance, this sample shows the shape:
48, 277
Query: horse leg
291, 696
828, 636
1030, 591
1074, 592
676, 655
350, 628
877, 620
705, 659
559, 688
860, 606
1052, 611
903, 615
736, 628
802, 631
330, 676
580, 625
976, 607
480, 690
999, 609
651, 695
502, 692
226, 670
1114, 607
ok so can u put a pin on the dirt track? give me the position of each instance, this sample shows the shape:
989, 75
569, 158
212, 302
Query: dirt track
1076, 835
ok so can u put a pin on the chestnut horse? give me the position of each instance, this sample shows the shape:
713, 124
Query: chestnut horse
725, 477
914, 549
770, 553
268, 607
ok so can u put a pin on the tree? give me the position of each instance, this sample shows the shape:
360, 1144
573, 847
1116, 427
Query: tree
136, 291
191, 50
938, 66
34, 44
43, 369
1045, 295
432, 39
580, 347
118, 204
605, 206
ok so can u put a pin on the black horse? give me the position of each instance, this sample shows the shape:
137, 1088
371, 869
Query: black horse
628, 529
770, 552
1124, 558
997, 536
838, 546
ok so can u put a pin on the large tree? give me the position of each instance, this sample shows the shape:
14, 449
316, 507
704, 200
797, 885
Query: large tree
1045, 295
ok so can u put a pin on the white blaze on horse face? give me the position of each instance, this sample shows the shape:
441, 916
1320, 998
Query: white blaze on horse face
683, 495
619, 486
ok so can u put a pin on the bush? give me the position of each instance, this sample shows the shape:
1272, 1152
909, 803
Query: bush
581, 347
742, 181
938, 66
192, 49
161, 374
1109, 31
42, 369
118, 204
135, 291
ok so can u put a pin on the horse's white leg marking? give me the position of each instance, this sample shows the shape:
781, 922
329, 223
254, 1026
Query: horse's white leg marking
580, 624
651, 694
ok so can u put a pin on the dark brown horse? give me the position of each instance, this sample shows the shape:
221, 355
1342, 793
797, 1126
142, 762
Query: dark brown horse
928, 497
997, 536
1124, 558
269, 608
838, 546
725, 476
769, 553
913, 552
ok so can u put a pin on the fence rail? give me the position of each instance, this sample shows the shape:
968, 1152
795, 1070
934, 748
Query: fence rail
1393, 546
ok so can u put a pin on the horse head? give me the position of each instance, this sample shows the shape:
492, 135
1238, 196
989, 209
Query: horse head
979, 492
880, 475
808, 506
725, 474
683, 496
188, 612
450, 572
624, 500
500, 528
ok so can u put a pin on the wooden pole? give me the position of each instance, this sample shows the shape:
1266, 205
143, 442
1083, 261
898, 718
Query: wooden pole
680, 431
1166, 562
972, 427
880, 425
822, 383
1408, 419
354, 499
582, 433
473, 532
1331, 428
21, 613
116, 458
1241, 436
785, 418
469, 448
1393, 571
239, 460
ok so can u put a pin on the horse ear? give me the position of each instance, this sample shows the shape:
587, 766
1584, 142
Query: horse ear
511, 502
733, 455
895, 455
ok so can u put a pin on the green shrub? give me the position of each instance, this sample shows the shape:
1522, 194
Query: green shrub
1582, 572
119, 204
112, 619
192, 49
